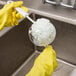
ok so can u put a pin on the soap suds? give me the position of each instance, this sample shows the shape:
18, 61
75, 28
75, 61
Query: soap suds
43, 32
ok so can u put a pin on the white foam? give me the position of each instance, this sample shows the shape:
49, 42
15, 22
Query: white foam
43, 32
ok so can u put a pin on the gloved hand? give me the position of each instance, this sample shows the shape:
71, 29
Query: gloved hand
9, 16
45, 64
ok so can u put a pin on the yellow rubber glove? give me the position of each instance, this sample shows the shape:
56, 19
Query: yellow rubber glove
9, 16
45, 64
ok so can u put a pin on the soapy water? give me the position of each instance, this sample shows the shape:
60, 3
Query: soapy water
42, 32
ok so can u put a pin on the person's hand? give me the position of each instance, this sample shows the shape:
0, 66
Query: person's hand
45, 63
9, 16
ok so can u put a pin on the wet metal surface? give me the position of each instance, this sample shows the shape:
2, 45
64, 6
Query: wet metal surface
15, 48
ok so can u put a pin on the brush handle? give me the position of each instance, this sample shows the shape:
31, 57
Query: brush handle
23, 13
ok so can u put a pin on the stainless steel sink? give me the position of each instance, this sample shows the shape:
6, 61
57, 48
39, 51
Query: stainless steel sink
17, 53
64, 45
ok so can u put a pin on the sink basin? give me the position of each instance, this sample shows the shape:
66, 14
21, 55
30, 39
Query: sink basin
15, 48
64, 45
17, 53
